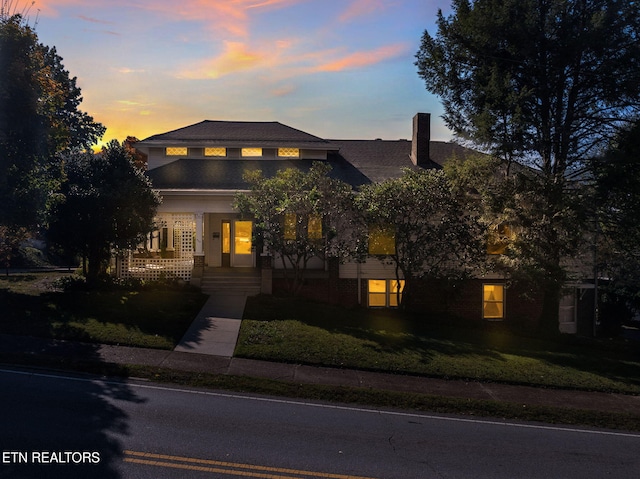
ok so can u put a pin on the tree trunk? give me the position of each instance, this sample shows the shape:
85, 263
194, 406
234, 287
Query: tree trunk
548, 324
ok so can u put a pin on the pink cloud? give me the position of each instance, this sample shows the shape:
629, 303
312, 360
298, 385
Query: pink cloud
237, 56
360, 8
363, 59
232, 17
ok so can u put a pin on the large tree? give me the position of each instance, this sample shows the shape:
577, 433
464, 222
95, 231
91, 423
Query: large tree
431, 229
39, 119
300, 215
618, 210
545, 83
108, 205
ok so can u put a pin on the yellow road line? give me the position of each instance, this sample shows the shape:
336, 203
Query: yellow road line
204, 465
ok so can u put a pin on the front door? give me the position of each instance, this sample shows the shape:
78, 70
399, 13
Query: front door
236, 243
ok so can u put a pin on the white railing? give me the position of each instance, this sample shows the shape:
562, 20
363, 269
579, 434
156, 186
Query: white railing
156, 268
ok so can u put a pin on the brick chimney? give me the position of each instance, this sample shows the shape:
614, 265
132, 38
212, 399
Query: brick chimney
420, 139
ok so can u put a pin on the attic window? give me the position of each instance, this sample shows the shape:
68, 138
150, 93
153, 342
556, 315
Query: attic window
289, 152
251, 152
215, 152
176, 151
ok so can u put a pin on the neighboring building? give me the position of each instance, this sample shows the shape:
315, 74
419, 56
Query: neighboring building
199, 168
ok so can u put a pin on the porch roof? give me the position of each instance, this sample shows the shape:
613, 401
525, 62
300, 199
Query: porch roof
190, 173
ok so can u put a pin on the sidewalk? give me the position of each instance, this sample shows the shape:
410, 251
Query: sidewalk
194, 362
215, 329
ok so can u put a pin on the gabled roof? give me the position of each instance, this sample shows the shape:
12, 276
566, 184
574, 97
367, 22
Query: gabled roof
238, 134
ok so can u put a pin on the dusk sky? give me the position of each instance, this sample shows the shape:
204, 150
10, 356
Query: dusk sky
341, 69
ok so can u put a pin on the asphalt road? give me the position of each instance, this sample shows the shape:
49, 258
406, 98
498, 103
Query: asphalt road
59, 425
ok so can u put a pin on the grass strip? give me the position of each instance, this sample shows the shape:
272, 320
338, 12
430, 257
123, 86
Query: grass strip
345, 395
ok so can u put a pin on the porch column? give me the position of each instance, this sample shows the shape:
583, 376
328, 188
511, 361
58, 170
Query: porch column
199, 229
198, 255
170, 240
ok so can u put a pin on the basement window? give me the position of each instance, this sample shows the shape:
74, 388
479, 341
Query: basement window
493, 301
383, 293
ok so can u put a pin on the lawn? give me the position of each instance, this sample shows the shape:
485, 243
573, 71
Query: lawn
282, 329
32, 305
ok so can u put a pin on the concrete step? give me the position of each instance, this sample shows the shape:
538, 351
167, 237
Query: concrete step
212, 282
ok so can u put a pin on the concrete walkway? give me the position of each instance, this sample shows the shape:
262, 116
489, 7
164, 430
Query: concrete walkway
215, 329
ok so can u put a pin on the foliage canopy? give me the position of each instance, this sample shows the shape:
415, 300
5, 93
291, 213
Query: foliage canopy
300, 215
108, 205
545, 83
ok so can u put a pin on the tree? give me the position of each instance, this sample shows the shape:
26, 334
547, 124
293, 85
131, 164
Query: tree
108, 205
39, 119
546, 83
10, 240
300, 215
618, 209
432, 230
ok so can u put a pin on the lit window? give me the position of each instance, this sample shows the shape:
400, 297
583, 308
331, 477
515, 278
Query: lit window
493, 301
251, 152
383, 293
382, 241
290, 226
290, 223
314, 227
377, 293
498, 239
395, 292
215, 152
176, 151
289, 152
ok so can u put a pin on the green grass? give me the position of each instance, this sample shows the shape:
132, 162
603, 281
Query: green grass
154, 319
281, 329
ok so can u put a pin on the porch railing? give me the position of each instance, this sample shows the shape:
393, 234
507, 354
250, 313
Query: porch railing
155, 268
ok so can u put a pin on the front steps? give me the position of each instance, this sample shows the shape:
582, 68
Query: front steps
231, 280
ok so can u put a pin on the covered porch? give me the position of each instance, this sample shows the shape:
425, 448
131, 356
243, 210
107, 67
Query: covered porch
185, 243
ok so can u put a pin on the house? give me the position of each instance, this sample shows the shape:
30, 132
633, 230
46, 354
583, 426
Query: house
199, 168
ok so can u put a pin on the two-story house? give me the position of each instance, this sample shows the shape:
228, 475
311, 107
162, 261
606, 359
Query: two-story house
199, 168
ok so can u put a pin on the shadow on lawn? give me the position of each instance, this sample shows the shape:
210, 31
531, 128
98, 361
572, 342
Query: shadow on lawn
386, 331
427, 339
156, 319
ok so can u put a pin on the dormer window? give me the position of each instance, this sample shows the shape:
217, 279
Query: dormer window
251, 152
215, 152
289, 152
176, 151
